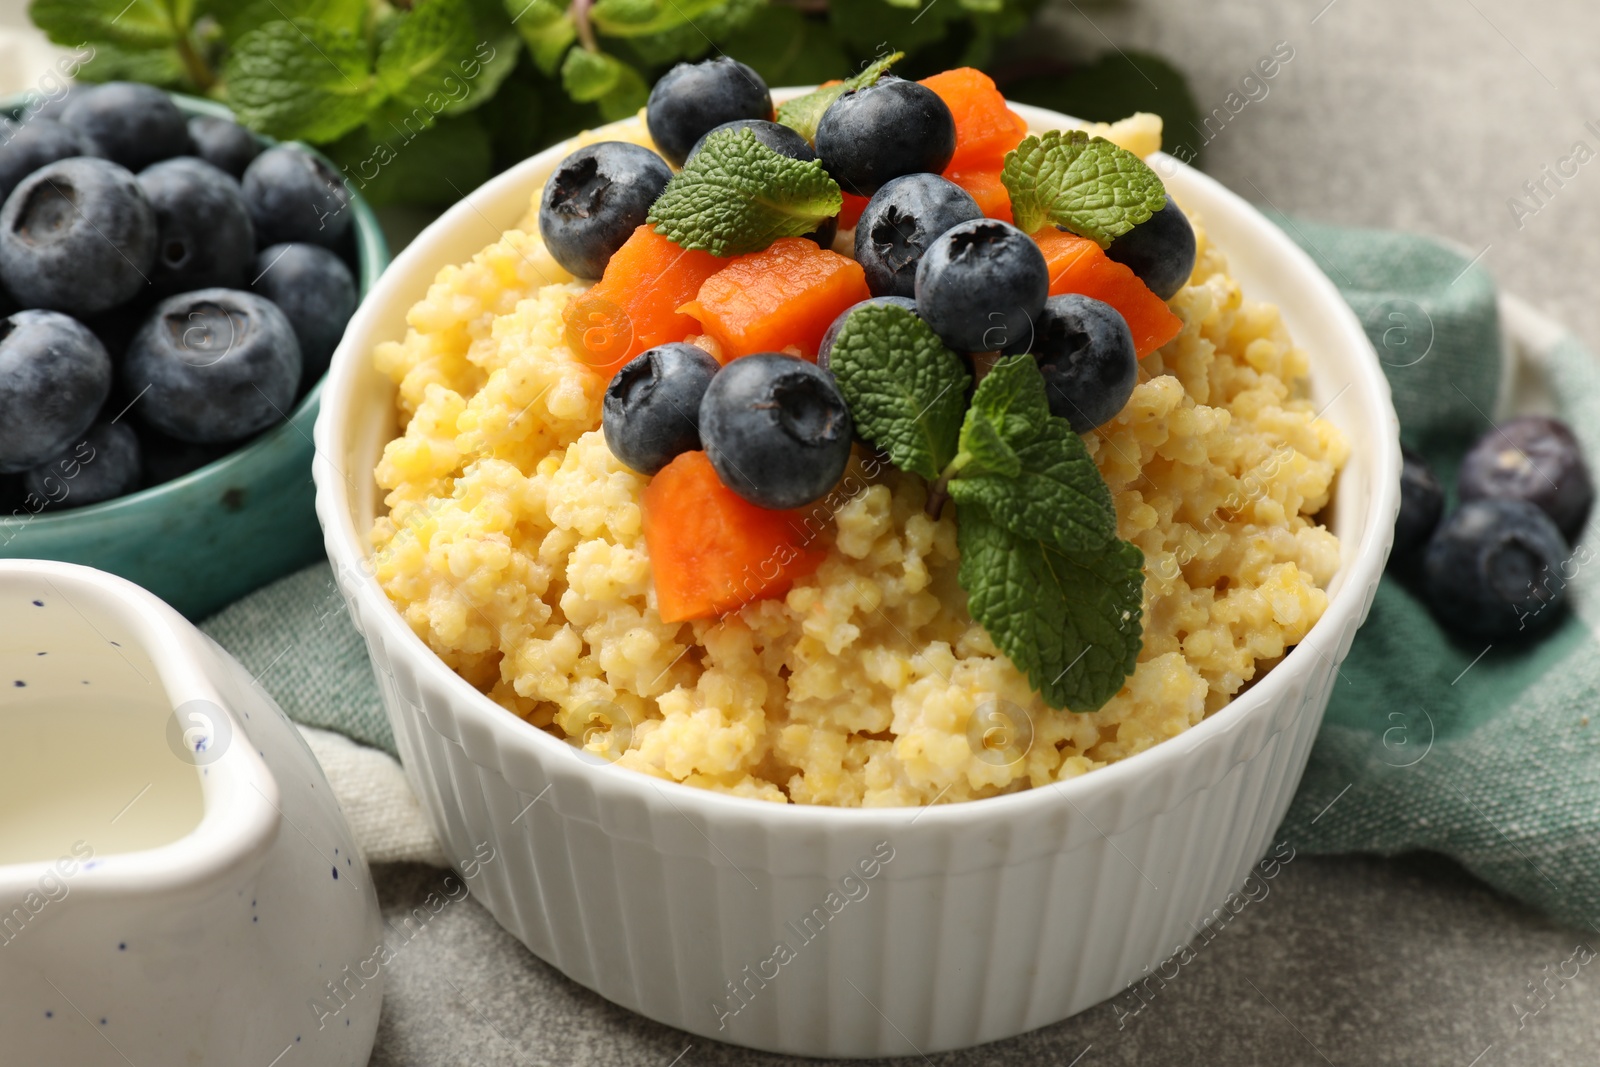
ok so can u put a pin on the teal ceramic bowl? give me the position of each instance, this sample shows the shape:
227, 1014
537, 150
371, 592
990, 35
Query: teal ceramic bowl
207, 538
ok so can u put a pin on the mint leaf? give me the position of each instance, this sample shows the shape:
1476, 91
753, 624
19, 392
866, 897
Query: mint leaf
545, 28
495, 50
1026, 467
692, 40
596, 78
737, 195
420, 62
162, 67
904, 387
986, 446
239, 17
1070, 621
1086, 184
137, 41
804, 112
300, 80
643, 18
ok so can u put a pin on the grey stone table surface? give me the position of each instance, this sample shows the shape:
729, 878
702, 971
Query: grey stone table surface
1422, 114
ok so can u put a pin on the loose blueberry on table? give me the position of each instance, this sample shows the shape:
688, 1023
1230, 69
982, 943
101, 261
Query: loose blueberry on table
1421, 504
1498, 567
1532, 458
1492, 569
112, 201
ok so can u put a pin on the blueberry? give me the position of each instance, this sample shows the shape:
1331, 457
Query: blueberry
317, 293
776, 429
898, 224
1531, 458
981, 284
891, 128
205, 236
54, 106
595, 200
1160, 250
213, 365
1085, 353
652, 407
776, 136
295, 196
105, 464
825, 347
1421, 504
825, 233
1492, 569
54, 377
31, 145
223, 143
134, 125
77, 236
692, 99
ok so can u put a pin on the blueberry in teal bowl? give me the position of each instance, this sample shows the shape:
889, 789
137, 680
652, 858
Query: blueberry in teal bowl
180, 456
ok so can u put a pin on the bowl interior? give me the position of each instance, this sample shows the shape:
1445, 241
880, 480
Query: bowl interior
1346, 384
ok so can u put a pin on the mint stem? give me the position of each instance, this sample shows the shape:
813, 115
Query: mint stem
194, 64
939, 490
580, 18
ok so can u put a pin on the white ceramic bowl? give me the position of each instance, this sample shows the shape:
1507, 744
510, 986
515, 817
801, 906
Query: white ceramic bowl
992, 917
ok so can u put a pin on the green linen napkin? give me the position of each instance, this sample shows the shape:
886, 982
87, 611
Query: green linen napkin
1482, 751
1486, 755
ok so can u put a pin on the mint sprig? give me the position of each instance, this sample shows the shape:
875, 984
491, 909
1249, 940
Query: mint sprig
1086, 184
301, 78
804, 112
1043, 569
737, 195
1026, 467
905, 389
1070, 621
